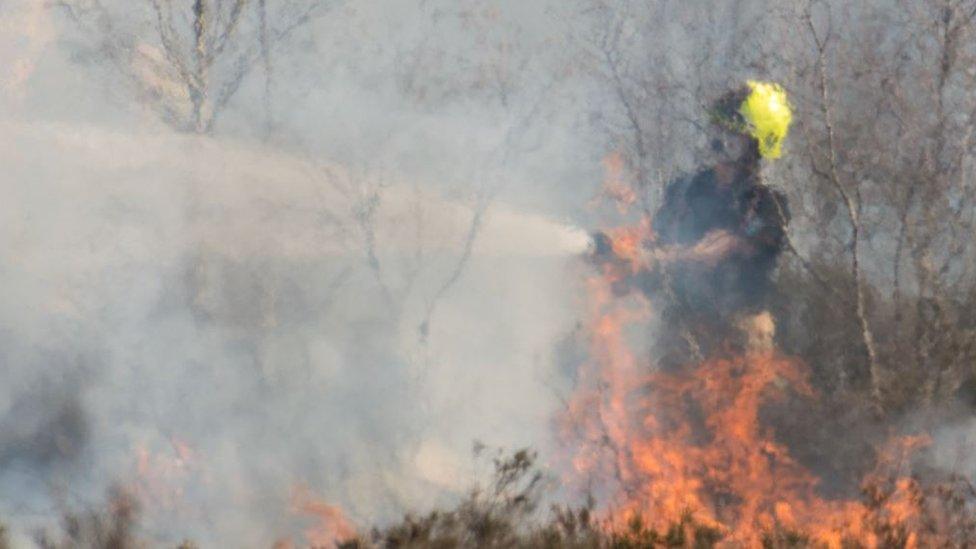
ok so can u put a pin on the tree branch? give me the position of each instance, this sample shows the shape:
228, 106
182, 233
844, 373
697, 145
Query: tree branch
853, 205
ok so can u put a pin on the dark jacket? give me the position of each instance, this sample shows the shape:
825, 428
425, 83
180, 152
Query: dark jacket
755, 214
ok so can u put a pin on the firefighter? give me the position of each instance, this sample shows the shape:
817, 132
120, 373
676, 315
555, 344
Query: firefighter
718, 233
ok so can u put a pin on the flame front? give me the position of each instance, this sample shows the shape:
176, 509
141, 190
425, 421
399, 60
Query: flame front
668, 445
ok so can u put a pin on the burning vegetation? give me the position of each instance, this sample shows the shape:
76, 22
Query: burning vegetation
695, 447
251, 327
688, 432
713, 433
692, 422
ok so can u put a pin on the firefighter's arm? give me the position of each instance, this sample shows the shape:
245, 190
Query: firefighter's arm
717, 245
712, 248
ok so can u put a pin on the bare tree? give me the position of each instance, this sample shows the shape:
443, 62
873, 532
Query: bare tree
198, 53
852, 200
886, 113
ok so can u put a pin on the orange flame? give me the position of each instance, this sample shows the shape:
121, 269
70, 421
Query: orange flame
617, 183
669, 443
332, 526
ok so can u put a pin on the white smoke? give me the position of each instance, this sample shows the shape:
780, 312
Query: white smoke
215, 321
166, 290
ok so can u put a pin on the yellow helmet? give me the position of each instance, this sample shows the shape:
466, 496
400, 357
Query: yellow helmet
761, 110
